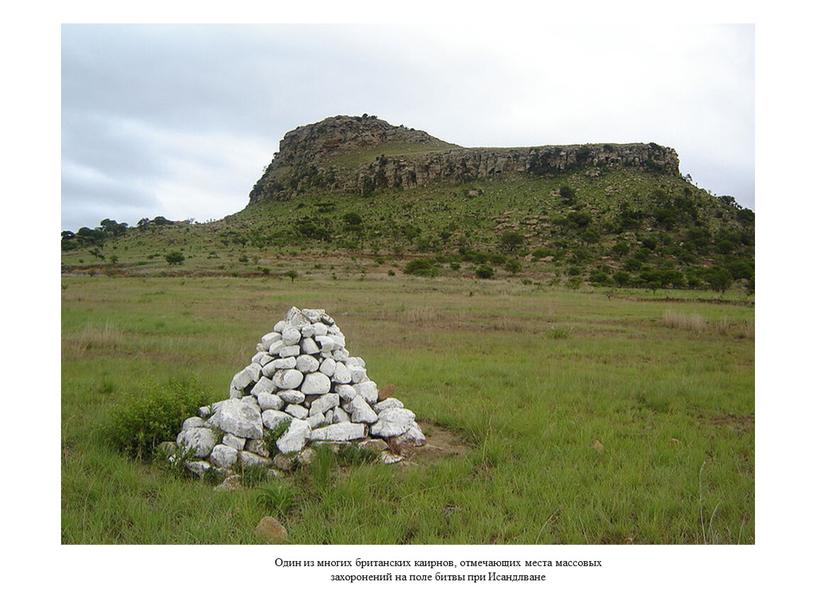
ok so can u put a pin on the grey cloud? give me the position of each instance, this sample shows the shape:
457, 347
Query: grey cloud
180, 120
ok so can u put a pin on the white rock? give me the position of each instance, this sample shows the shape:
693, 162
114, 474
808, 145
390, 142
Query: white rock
272, 418
296, 318
205, 411
287, 379
367, 390
325, 342
341, 355
279, 326
412, 436
329, 415
307, 331
339, 432
306, 363
313, 315
393, 422
340, 417
275, 347
236, 393
252, 402
254, 371
291, 336
259, 356
192, 422
307, 345
361, 412
328, 366
358, 374
327, 319
247, 458
258, 447
268, 369
198, 467
238, 418
289, 351
270, 401
268, 339
323, 403
284, 363
346, 392
339, 340
295, 437
292, 396
388, 403
316, 383
223, 456
297, 411
236, 442
315, 421
341, 373
320, 329
264, 385
200, 441
241, 380
355, 361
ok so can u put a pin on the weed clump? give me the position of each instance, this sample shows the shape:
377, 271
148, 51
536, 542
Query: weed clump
138, 425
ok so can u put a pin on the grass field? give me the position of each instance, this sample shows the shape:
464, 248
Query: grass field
589, 417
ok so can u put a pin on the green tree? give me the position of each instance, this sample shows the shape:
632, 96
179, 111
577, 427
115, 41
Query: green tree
174, 258
511, 241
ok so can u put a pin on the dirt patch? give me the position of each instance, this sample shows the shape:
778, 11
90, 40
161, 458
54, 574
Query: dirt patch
743, 423
441, 444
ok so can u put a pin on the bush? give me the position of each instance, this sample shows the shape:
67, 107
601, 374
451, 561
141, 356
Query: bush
139, 425
511, 241
512, 266
353, 220
485, 272
174, 258
421, 268
567, 193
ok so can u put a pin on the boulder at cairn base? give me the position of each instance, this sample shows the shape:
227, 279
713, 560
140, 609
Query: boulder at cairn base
302, 386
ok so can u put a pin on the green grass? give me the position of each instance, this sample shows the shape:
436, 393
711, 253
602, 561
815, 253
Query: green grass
530, 376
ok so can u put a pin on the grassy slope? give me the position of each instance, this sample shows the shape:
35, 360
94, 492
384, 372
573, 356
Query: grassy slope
530, 376
438, 220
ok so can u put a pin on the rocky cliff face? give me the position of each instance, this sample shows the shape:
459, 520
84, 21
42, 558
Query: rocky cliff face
308, 156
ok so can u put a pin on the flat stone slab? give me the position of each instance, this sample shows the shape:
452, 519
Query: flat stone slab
238, 418
339, 432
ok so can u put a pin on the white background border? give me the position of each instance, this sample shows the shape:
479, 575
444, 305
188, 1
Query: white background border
40, 572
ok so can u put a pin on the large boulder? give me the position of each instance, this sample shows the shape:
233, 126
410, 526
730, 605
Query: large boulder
200, 441
295, 438
238, 418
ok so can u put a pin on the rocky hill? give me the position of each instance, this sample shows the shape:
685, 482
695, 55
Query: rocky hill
356, 195
362, 154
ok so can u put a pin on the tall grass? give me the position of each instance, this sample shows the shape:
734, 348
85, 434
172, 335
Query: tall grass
694, 322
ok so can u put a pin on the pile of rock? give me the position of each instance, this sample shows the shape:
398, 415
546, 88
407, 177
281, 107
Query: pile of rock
302, 387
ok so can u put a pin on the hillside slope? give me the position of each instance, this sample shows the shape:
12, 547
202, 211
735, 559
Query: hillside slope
358, 187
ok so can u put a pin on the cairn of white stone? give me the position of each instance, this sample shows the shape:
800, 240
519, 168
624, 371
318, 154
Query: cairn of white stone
302, 374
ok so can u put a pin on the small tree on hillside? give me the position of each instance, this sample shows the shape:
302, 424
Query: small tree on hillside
511, 241
174, 258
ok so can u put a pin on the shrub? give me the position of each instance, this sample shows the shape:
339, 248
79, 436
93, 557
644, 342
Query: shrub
622, 278
511, 241
567, 193
174, 258
141, 423
271, 436
352, 220
291, 274
421, 268
485, 272
512, 266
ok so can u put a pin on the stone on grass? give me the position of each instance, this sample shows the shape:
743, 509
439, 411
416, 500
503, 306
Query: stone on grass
393, 422
301, 380
198, 467
271, 530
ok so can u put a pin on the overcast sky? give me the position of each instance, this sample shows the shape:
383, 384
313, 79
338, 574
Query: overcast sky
181, 120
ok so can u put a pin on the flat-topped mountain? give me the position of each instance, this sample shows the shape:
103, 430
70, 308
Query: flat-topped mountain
358, 187
363, 154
